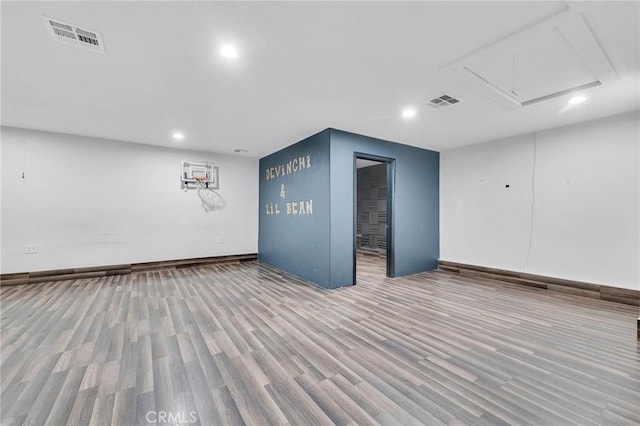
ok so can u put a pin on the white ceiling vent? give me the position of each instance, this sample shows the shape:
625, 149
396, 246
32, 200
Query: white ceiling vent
443, 101
72, 35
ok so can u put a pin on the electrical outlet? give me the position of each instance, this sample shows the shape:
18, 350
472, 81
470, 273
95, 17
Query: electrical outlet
31, 249
220, 239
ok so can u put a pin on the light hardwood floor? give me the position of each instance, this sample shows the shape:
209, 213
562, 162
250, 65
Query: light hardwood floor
246, 344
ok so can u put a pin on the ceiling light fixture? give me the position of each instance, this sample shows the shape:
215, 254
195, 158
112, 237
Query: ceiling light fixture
178, 136
577, 100
228, 51
409, 112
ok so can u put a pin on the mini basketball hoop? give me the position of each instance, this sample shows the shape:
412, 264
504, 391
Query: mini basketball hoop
196, 175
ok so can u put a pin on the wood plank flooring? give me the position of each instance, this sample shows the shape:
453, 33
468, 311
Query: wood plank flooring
246, 344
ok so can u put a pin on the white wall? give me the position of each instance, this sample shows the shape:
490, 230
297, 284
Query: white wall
586, 211
93, 202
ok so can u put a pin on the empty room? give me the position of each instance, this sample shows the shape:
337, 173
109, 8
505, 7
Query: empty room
320, 213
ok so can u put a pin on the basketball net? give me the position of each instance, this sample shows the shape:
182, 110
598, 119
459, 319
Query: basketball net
201, 182
207, 195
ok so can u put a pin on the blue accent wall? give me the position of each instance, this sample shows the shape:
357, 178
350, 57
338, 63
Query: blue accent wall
416, 237
297, 243
319, 246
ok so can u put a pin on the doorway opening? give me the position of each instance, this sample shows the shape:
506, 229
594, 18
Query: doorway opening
374, 181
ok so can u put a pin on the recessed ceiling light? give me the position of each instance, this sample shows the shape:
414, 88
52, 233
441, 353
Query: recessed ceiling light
576, 100
228, 51
178, 136
409, 112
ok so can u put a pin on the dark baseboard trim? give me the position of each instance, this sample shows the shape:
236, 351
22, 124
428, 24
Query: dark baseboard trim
578, 288
104, 271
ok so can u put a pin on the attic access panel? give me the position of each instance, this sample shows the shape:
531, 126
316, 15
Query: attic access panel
540, 66
561, 53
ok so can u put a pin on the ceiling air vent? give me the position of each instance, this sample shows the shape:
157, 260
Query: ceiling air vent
72, 35
443, 101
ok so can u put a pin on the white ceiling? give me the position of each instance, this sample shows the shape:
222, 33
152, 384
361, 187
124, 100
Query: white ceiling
303, 67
